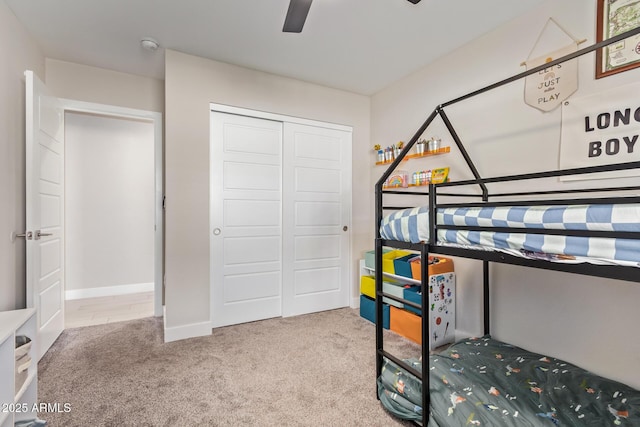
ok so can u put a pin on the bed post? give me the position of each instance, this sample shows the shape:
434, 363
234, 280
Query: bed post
485, 295
379, 306
426, 315
378, 280
424, 289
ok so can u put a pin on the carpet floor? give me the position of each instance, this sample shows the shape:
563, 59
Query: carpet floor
310, 370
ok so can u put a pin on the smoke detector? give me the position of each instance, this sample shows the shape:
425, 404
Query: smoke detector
149, 43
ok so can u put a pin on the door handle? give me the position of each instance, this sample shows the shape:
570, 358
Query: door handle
40, 234
216, 231
28, 235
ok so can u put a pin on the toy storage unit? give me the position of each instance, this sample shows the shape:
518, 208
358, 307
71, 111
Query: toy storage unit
395, 285
405, 267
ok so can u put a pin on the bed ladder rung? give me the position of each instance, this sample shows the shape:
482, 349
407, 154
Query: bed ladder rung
401, 300
404, 365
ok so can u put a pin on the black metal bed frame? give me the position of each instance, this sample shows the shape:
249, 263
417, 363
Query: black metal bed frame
432, 247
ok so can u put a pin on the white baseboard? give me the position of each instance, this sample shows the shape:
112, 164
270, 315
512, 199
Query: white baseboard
355, 302
193, 330
107, 291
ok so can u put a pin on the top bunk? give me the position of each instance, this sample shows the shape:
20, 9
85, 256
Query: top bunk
580, 228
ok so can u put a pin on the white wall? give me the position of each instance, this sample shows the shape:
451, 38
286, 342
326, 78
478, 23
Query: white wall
109, 209
19, 52
191, 83
90, 84
588, 321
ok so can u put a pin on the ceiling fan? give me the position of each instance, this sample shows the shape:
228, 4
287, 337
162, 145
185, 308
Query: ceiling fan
297, 15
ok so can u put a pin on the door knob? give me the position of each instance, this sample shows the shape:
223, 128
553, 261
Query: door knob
216, 231
345, 228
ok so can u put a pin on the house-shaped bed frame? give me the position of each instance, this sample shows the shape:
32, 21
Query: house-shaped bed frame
609, 195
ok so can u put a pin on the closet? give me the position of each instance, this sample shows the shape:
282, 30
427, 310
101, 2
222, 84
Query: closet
280, 215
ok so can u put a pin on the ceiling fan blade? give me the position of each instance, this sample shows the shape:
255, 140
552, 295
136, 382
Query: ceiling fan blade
296, 15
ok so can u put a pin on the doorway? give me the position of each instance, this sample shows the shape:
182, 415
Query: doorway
45, 206
113, 214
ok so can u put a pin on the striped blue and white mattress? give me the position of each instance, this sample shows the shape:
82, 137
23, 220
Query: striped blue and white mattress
412, 225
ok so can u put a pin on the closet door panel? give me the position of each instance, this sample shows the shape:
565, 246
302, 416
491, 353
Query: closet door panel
317, 280
245, 176
315, 248
241, 287
316, 218
312, 146
314, 180
246, 225
241, 213
314, 214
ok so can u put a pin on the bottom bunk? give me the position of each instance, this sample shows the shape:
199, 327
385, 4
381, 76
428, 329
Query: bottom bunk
482, 381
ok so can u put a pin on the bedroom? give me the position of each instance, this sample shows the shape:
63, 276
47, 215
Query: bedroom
577, 306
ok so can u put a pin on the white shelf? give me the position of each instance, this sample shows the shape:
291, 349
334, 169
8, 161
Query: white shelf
21, 393
394, 276
12, 324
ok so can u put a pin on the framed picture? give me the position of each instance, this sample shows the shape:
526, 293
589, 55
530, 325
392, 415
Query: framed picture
615, 17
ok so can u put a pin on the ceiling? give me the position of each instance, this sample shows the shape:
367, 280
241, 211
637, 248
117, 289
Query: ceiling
360, 46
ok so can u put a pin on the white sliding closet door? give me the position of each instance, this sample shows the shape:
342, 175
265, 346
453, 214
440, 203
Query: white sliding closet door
316, 218
280, 217
246, 241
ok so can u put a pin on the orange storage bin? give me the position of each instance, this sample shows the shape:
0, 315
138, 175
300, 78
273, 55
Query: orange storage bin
406, 324
437, 265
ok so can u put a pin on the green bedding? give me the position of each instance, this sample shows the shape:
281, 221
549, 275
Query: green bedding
485, 382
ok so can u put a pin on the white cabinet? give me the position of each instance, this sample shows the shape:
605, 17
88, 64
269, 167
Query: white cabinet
18, 393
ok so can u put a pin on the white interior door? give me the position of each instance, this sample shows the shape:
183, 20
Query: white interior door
317, 218
246, 189
45, 209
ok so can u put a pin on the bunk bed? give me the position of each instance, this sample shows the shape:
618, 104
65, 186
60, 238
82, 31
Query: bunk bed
482, 381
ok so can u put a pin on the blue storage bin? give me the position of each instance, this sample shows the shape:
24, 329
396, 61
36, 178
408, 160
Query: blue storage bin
368, 311
413, 294
402, 265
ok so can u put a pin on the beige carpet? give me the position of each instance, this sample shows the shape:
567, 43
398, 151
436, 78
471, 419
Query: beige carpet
311, 370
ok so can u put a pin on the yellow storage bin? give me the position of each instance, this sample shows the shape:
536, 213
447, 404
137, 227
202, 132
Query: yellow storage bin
368, 288
388, 264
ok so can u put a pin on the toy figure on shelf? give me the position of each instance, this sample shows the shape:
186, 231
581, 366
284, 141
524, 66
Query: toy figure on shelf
398, 179
380, 152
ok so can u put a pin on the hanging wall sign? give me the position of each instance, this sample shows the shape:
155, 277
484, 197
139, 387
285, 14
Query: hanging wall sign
602, 129
546, 89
